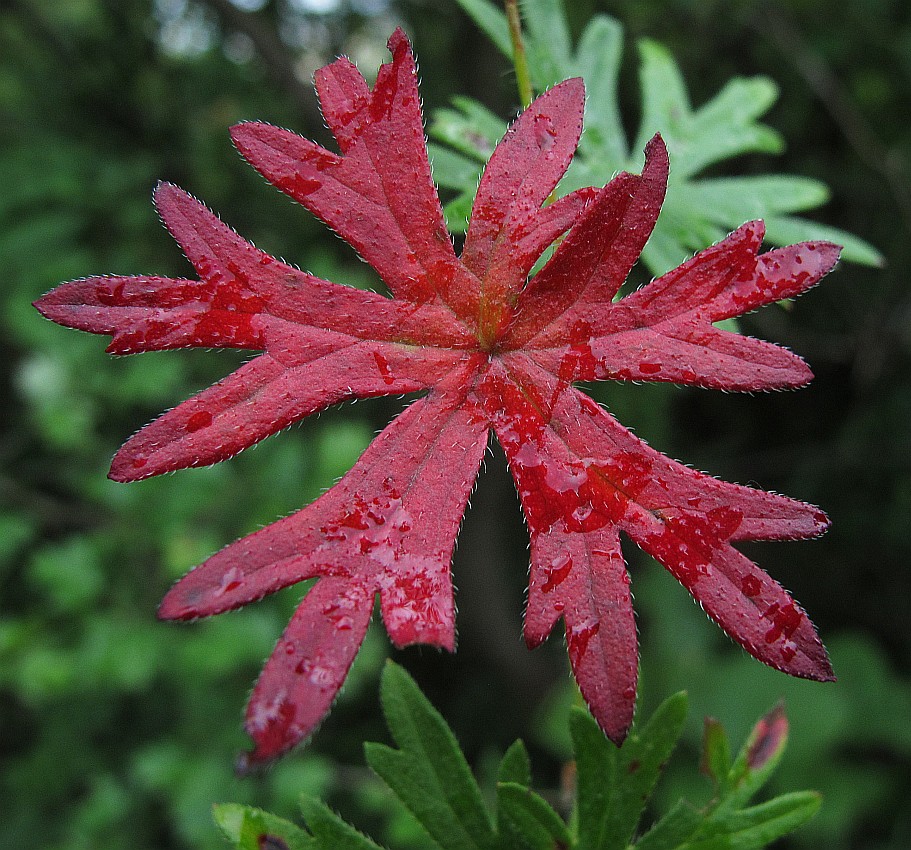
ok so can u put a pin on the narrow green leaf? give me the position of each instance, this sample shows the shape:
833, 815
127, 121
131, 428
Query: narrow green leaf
614, 785
527, 819
329, 831
452, 170
716, 754
458, 211
757, 827
548, 42
253, 829
491, 21
726, 200
664, 251
428, 772
598, 58
515, 766
783, 813
470, 127
725, 126
674, 829
785, 230
665, 102
741, 100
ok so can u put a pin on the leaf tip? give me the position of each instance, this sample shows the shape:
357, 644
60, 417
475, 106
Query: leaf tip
769, 738
397, 41
126, 468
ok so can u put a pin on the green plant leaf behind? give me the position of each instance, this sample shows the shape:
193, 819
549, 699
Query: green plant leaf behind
428, 772
597, 61
697, 212
329, 831
674, 829
549, 44
515, 766
253, 829
491, 21
614, 784
526, 821
756, 827
716, 754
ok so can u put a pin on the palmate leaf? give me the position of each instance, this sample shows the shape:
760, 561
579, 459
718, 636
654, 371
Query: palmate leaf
698, 211
493, 347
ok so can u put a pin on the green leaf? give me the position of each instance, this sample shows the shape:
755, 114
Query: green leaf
726, 127
614, 785
253, 829
732, 200
697, 212
598, 60
716, 754
756, 827
673, 830
548, 42
665, 102
452, 170
491, 21
330, 831
471, 128
515, 766
526, 820
428, 772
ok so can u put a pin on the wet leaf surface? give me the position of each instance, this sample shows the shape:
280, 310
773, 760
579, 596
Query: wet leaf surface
492, 350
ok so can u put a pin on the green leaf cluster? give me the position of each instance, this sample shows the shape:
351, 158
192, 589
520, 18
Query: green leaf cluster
429, 775
699, 210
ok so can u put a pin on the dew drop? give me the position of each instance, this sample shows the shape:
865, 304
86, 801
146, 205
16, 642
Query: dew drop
300, 184
383, 366
582, 513
320, 676
579, 637
557, 573
545, 132
200, 419
750, 585
230, 581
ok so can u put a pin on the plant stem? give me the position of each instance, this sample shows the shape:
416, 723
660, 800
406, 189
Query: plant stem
519, 59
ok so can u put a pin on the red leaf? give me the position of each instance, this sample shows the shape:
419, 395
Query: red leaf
492, 349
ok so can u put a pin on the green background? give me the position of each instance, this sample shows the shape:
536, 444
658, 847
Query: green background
117, 731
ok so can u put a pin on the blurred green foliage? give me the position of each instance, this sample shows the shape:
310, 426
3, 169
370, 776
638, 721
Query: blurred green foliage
118, 731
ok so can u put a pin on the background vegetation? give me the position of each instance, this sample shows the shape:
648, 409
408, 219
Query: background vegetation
117, 731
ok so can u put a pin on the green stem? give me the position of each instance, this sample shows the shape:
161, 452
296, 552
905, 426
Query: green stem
519, 59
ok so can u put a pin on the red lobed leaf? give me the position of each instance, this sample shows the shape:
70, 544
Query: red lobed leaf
493, 349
